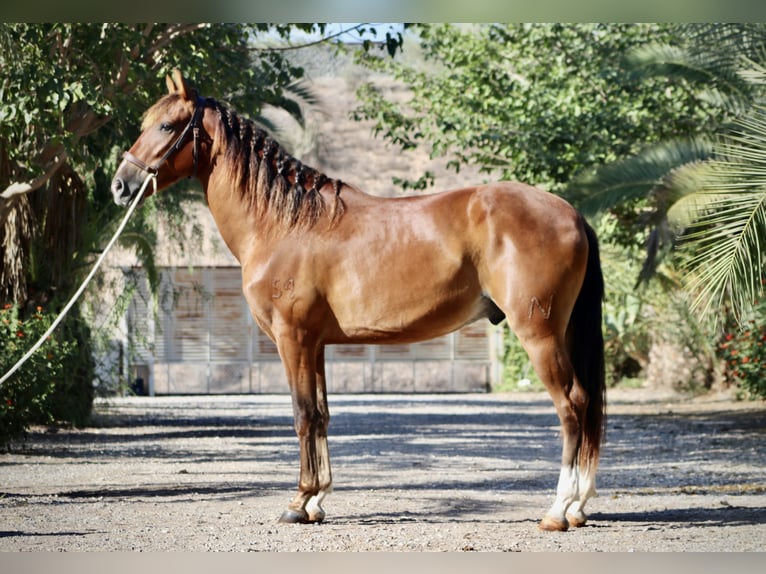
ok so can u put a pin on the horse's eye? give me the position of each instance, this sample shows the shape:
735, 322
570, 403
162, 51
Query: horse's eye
166, 127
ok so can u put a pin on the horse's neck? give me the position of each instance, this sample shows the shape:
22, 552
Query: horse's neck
242, 227
236, 223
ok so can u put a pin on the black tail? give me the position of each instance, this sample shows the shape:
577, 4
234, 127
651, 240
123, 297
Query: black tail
587, 354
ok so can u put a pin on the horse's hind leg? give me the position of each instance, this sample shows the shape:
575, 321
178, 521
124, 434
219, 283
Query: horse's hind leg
587, 489
551, 361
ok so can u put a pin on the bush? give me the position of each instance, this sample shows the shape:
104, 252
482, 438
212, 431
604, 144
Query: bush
744, 355
73, 395
30, 396
627, 332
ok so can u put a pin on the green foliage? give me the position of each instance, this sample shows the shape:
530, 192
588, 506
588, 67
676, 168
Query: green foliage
626, 332
708, 58
64, 82
701, 198
640, 317
691, 367
30, 396
647, 174
534, 102
743, 351
724, 241
73, 394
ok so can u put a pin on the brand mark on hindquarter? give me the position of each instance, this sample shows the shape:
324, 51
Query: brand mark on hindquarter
535, 303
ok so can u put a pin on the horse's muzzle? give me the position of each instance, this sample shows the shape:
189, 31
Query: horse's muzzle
122, 192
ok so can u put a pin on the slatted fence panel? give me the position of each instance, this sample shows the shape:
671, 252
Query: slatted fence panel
203, 340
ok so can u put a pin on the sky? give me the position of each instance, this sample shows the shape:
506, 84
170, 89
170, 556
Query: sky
348, 33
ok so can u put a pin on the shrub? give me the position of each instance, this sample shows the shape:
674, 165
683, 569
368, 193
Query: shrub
29, 396
744, 355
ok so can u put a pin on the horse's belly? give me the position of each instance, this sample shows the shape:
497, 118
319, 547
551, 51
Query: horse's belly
409, 319
414, 282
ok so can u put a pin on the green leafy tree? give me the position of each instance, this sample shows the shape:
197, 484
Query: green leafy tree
41, 381
535, 102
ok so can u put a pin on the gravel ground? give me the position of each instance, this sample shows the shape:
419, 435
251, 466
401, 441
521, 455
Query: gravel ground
412, 472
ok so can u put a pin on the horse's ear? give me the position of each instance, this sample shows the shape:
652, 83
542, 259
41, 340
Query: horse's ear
177, 84
178, 79
170, 84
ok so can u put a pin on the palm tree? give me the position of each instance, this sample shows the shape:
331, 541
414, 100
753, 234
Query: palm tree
702, 196
723, 247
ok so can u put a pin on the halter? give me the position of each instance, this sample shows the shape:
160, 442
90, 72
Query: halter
193, 125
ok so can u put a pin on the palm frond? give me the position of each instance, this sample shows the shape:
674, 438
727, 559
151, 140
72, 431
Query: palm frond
724, 44
673, 61
709, 59
293, 101
292, 107
294, 98
639, 176
687, 195
726, 240
753, 71
727, 261
302, 90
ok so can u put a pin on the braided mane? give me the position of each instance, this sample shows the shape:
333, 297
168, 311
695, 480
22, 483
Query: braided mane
269, 179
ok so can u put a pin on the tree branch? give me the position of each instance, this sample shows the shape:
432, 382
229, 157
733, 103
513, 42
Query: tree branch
19, 188
170, 34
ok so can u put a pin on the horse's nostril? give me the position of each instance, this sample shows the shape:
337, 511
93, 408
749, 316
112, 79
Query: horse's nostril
120, 191
117, 186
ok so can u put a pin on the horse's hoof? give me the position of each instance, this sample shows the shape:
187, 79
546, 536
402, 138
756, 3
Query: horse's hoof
577, 520
553, 524
294, 517
316, 515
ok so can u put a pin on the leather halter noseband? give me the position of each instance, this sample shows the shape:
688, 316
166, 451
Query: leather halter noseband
193, 126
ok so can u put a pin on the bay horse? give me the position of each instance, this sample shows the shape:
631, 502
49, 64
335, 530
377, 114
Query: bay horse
324, 263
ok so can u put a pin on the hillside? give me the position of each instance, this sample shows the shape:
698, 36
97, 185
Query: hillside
342, 147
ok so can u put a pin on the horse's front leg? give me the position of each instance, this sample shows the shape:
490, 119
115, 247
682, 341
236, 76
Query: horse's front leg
314, 505
311, 419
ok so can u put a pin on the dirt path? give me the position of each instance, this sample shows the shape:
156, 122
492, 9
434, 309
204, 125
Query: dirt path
423, 472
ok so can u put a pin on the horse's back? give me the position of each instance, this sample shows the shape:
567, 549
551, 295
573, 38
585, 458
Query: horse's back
525, 213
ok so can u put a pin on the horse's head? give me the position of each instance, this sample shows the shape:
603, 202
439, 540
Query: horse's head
169, 145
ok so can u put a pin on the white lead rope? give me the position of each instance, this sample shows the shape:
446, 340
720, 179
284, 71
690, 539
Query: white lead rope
152, 177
